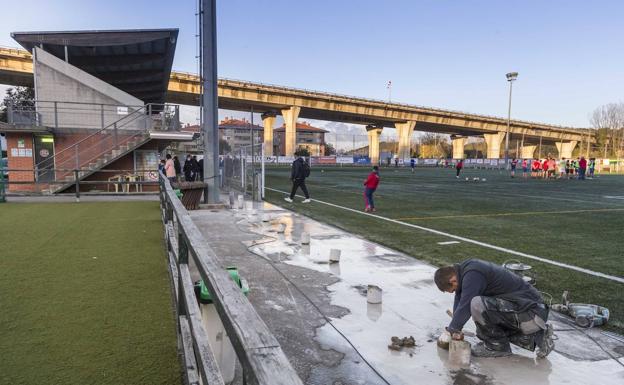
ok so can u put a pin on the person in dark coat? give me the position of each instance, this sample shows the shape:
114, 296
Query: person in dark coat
200, 164
505, 308
177, 167
188, 169
299, 172
195, 168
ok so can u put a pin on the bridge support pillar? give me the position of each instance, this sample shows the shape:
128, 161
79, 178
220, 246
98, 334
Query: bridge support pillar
290, 116
528, 151
493, 144
458, 146
565, 148
373, 143
404, 131
268, 121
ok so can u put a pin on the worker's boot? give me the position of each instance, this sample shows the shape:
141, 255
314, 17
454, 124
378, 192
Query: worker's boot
491, 350
545, 342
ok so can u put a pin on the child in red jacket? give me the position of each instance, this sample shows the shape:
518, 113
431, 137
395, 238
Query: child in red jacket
370, 185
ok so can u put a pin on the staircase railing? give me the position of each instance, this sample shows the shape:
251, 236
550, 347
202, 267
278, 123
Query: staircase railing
90, 147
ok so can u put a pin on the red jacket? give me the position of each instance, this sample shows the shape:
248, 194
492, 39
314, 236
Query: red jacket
372, 181
583, 164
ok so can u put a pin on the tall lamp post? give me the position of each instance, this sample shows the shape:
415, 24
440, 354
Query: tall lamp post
511, 76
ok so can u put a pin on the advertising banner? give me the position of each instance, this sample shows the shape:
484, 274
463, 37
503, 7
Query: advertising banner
361, 159
344, 159
323, 160
430, 162
285, 159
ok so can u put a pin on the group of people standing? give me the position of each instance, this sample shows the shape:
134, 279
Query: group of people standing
550, 168
193, 169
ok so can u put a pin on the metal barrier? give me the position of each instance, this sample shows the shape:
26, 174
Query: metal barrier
259, 353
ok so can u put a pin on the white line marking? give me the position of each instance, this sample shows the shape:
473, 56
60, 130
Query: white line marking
448, 243
614, 196
475, 242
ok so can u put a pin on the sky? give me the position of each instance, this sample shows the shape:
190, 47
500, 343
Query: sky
437, 53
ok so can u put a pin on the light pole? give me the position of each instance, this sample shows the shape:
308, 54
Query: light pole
511, 76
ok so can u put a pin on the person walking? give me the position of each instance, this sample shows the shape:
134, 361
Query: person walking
170, 169
299, 172
195, 168
188, 169
458, 167
370, 185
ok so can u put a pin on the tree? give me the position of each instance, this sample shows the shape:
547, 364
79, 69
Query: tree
329, 149
608, 120
16, 97
302, 151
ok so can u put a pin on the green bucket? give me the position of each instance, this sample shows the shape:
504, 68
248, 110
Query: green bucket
203, 294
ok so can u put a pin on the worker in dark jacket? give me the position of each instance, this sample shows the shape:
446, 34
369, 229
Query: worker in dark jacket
188, 168
504, 307
299, 172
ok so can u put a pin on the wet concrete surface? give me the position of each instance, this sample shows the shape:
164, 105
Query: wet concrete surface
296, 291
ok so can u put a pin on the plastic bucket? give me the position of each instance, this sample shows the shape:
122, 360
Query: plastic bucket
334, 255
305, 238
241, 202
459, 353
373, 294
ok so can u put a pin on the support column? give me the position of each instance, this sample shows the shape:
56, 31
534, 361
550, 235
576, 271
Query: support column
458, 146
404, 130
268, 121
528, 151
493, 144
565, 148
373, 143
290, 122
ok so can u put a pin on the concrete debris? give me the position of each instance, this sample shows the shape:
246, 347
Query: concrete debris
397, 343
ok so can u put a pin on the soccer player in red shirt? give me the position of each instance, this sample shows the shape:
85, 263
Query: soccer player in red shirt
370, 185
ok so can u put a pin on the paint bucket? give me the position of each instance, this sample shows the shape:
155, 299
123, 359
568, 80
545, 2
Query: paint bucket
281, 228
305, 238
373, 294
334, 255
241, 202
459, 353
266, 217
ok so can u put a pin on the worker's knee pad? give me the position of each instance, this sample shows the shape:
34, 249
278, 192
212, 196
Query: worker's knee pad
477, 308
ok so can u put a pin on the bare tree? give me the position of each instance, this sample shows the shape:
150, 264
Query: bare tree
609, 121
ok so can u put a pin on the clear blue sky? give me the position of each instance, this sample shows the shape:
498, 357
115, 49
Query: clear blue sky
446, 54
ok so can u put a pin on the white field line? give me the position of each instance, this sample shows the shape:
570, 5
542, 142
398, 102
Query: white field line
448, 243
475, 242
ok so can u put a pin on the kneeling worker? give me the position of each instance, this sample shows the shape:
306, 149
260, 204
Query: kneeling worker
504, 307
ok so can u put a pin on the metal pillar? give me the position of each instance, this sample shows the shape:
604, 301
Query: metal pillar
508, 127
208, 33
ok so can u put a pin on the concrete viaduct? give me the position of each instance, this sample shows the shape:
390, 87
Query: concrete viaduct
293, 103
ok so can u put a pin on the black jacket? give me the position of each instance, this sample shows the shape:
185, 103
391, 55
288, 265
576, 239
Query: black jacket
480, 278
298, 169
176, 166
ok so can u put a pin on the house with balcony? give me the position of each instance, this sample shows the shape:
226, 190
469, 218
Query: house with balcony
308, 136
99, 112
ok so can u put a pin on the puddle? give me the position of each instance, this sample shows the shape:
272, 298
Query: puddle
411, 305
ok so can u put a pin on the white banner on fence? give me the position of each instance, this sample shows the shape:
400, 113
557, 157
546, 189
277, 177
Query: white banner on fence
344, 159
270, 159
494, 162
430, 161
285, 159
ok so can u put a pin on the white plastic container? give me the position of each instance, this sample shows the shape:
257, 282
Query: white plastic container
281, 228
305, 238
241, 202
334, 255
266, 217
373, 294
459, 353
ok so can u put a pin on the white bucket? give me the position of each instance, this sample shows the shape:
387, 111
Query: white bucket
459, 353
373, 294
281, 228
305, 238
334, 255
241, 202
266, 217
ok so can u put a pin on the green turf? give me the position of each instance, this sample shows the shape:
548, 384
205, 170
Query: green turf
84, 295
563, 220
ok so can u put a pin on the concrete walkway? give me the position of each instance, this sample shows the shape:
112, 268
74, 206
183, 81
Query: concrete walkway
297, 292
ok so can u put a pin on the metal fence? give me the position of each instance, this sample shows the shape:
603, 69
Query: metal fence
262, 360
243, 171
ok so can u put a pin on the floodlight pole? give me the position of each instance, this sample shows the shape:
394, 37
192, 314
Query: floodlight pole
510, 78
208, 33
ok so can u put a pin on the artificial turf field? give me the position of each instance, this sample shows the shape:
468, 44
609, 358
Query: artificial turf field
85, 295
570, 221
